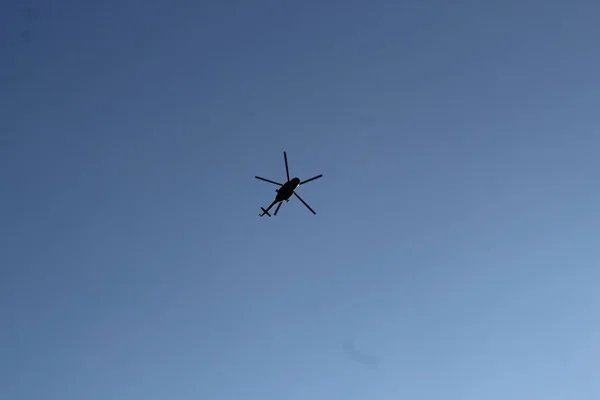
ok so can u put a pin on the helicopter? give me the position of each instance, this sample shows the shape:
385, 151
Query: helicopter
286, 190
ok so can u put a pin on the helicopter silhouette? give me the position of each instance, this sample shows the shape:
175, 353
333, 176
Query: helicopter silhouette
358, 356
286, 190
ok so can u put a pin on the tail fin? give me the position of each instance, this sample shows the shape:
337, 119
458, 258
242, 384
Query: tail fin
264, 212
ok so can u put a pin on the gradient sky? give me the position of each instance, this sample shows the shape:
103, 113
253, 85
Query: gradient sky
456, 235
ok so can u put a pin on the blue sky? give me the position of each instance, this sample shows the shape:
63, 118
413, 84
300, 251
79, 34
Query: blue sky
456, 235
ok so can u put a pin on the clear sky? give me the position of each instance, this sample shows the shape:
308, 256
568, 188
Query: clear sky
457, 228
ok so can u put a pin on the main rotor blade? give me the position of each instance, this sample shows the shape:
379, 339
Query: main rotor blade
311, 179
267, 180
303, 202
287, 171
277, 209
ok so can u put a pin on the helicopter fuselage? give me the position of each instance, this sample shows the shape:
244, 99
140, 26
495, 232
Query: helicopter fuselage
287, 190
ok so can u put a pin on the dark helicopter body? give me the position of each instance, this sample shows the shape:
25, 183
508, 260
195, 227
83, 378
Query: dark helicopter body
283, 194
286, 190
